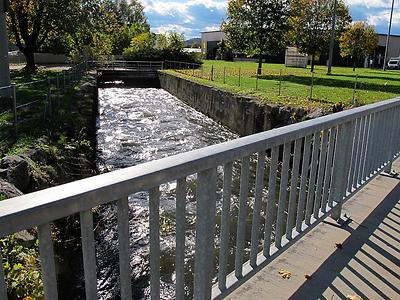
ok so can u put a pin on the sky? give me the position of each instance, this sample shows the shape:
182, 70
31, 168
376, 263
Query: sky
194, 16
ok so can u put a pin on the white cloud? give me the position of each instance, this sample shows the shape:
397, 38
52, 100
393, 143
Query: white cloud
181, 9
172, 27
370, 3
382, 18
212, 28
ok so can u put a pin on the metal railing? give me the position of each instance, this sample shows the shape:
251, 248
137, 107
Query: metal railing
43, 95
320, 162
128, 65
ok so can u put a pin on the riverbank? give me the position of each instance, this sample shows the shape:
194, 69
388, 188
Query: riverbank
62, 151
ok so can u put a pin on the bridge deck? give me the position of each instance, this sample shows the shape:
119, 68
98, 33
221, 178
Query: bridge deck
367, 264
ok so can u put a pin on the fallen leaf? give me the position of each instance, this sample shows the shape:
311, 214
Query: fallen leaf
285, 273
307, 276
353, 297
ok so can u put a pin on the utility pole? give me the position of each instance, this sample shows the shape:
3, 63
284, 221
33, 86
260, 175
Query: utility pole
332, 43
4, 67
387, 38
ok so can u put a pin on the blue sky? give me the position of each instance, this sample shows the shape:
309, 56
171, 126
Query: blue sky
194, 16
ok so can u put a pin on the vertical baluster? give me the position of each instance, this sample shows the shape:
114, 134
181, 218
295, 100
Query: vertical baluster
225, 221
242, 216
313, 175
371, 147
47, 262
270, 215
390, 131
154, 220
257, 208
3, 287
180, 238
341, 166
303, 182
328, 169
321, 171
363, 171
363, 140
280, 219
379, 139
205, 225
353, 156
358, 137
124, 248
293, 188
89, 254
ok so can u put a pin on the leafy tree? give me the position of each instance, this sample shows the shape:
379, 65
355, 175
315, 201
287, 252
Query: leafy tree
256, 27
359, 40
310, 25
31, 22
142, 44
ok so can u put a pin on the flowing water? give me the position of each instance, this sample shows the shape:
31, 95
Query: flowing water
137, 125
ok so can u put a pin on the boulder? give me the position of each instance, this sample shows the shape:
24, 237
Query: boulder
15, 170
9, 190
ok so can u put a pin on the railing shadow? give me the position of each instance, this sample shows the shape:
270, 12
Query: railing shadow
362, 241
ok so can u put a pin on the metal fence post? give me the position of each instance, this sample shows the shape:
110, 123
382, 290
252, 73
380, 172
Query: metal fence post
280, 82
212, 73
49, 95
224, 75
257, 82
14, 108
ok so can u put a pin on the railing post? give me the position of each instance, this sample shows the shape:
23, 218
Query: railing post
341, 167
205, 216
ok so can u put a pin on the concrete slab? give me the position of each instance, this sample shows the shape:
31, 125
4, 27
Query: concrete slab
367, 264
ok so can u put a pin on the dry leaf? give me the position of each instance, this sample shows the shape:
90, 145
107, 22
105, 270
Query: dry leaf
285, 273
353, 297
307, 276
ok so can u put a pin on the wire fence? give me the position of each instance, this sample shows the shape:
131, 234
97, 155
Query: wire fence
31, 104
292, 83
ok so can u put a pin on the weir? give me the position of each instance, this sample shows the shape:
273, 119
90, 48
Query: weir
324, 163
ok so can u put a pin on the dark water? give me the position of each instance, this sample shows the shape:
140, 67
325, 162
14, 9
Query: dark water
135, 126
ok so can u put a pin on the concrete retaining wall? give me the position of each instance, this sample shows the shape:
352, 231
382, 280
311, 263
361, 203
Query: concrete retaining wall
244, 115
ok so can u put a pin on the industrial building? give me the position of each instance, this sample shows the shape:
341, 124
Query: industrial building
210, 40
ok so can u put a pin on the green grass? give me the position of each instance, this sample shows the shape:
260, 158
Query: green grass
32, 121
294, 84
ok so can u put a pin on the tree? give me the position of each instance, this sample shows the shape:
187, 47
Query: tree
359, 40
31, 23
142, 44
310, 25
256, 27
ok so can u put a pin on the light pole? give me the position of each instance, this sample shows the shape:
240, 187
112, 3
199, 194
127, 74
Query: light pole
332, 43
4, 67
387, 38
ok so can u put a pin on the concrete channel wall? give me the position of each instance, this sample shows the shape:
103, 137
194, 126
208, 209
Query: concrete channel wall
244, 115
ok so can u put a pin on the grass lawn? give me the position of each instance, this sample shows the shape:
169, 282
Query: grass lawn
292, 86
31, 90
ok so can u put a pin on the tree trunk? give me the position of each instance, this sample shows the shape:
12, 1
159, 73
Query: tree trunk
30, 61
312, 62
260, 59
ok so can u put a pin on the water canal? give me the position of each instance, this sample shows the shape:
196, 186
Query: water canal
137, 125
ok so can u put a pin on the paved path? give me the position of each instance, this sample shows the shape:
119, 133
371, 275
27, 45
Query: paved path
367, 264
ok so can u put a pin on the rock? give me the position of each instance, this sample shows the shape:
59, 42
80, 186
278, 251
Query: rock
316, 113
15, 170
37, 155
24, 238
9, 190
